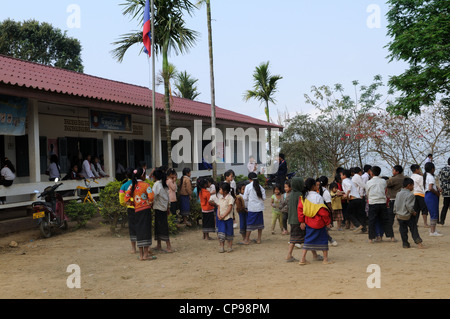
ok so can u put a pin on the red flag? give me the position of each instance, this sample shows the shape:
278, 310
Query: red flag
147, 37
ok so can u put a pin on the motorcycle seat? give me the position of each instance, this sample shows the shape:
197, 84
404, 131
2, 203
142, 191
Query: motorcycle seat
42, 204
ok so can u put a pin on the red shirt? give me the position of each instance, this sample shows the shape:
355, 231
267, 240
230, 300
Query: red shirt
321, 220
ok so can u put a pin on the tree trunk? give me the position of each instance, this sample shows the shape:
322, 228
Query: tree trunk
213, 94
167, 101
269, 132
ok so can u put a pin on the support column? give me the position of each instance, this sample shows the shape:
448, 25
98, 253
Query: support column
108, 154
33, 142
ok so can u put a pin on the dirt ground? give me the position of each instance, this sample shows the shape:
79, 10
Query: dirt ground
37, 268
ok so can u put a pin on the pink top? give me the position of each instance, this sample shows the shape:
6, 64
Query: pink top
172, 190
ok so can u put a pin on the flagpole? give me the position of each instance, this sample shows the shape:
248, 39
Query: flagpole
152, 5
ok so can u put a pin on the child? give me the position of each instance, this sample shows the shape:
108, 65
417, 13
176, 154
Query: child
323, 191
185, 195
297, 235
336, 205
404, 210
172, 184
419, 193
225, 218
229, 178
314, 217
140, 195
431, 197
276, 205
130, 210
378, 212
242, 211
285, 206
254, 196
161, 209
208, 222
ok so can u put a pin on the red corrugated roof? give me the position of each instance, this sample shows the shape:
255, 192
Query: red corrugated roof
50, 79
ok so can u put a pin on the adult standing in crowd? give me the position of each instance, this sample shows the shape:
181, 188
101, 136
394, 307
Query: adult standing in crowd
444, 180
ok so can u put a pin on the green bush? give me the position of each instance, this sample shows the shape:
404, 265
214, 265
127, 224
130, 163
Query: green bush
80, 212
110, 208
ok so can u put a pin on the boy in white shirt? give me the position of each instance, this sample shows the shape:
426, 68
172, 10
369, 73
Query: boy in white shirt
355, 202
419, 193
376, 195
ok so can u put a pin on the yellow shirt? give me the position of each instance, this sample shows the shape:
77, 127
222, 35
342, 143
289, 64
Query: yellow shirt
336, 202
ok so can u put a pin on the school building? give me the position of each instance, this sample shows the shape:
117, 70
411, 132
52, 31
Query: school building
46, 110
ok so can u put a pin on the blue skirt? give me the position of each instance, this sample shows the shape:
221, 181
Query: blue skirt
316, 239
243, 223
225, 229
432, 202
185, 205
255, 221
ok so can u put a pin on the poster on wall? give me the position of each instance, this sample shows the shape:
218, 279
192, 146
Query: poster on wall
109, 121
13, 115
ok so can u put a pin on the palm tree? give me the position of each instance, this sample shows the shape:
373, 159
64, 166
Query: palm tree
185, 85
171, 34
264, 88
211, 67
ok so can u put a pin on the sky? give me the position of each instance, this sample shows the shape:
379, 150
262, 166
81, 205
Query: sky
308, 42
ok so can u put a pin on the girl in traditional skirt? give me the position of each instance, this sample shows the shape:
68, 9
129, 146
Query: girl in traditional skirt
161, 209
314, 218
225, 218
140, 195
130, 210
254, 196
185, 195
208, 220
297, 236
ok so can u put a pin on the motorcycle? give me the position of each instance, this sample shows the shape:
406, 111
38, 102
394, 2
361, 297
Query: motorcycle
50, 212
272, 180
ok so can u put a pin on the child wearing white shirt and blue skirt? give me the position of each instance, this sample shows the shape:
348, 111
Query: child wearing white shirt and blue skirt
254, 197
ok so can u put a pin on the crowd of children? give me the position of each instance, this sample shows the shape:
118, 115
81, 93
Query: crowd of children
360, 200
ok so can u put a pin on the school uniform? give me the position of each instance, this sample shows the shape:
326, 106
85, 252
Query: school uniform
355, 203
431, 200
255, 207
419, 196
225, 227
376, 195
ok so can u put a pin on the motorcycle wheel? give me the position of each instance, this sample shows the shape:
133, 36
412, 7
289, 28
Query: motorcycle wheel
45, 227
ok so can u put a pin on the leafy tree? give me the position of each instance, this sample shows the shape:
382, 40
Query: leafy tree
264, 89
186, 86
171, 34
41, 43
421, 37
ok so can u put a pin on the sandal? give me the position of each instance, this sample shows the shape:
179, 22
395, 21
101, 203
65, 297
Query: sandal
291, 260
303, 263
